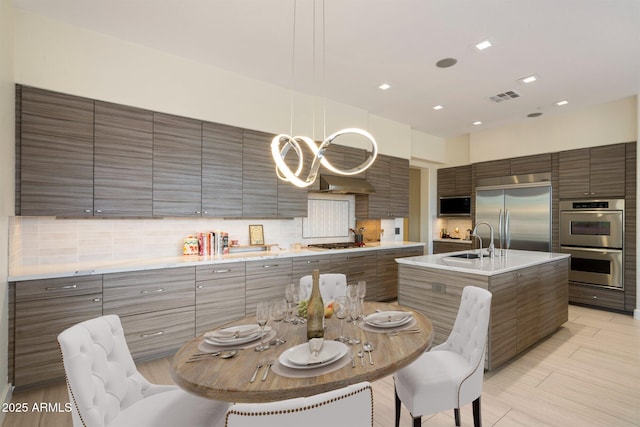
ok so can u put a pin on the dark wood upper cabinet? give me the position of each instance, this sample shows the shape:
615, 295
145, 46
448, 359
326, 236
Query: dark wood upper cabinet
454, 181
123, 161
177, 166
538, 163
56, 154
389, 176
259, 180
592, 172
492, 169
221, 170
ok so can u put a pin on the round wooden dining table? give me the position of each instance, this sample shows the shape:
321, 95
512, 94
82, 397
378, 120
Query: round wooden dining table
229, 379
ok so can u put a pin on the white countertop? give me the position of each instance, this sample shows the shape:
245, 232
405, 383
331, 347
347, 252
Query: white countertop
440, 239
50, 271
510, 261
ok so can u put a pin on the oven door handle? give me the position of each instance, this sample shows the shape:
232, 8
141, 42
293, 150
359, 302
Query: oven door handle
583, 249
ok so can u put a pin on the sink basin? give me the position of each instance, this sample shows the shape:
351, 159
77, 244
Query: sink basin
468, 255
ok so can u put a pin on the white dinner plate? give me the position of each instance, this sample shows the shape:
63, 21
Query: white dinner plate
297, 357
220, 341
388, 319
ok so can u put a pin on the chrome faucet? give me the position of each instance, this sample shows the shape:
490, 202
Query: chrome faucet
480, 240
491, 248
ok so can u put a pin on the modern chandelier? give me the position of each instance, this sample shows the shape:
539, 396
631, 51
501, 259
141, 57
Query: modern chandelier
282, 144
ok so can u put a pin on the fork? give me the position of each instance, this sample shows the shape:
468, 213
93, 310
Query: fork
255, 373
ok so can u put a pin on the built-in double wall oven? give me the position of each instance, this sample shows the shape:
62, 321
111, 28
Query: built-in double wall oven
592, 232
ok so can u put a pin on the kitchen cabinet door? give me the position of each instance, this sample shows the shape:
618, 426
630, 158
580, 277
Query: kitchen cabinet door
304, 266
386, 280
454, 181
56, 154
573, 169
389, 176
123, 161
596, 172
378, 176
399, 188
531, 164
266, 280
177, 166
156, 308
607, 171
221, 170
259, 180
492, 169
43, 309
292, 200
220, 295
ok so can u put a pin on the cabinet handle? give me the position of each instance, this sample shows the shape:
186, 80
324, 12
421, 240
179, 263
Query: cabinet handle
98, 210
200, 286
87, 211
313, 262
197, 212
59, 288
355, 257
146, 291
151, 334
226, 270
595, 297
96, 300
270, 266
205, 212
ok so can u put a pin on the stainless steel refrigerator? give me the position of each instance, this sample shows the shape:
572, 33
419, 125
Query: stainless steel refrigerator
519, 213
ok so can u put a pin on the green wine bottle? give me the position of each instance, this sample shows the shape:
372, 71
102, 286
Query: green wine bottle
315, 309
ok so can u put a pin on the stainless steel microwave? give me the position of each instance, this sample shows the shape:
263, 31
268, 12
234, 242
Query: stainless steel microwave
454, 206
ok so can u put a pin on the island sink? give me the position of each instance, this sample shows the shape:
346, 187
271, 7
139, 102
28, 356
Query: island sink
467, 255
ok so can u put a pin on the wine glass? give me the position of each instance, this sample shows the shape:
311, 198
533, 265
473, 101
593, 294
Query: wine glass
288, 296
341, 310
277, 311
362, 292
354, 313
262, 317
299, 294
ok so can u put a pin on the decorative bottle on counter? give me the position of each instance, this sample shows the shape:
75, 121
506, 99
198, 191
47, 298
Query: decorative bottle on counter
315, 309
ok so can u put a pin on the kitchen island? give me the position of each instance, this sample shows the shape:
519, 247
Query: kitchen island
530, 295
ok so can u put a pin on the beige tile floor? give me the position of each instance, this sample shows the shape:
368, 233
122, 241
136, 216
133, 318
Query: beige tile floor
586, 374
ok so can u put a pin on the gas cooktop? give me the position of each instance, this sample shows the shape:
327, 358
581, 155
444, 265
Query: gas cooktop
338, 245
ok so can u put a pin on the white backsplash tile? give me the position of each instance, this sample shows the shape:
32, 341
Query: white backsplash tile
49, 240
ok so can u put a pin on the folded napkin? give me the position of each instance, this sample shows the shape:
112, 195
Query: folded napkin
388, 317
315, 345
234, 332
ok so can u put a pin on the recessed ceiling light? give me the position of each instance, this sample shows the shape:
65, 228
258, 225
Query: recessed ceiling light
446, 62
477, 123
483, 45
438, 107
561, 103
529, 79
384, 86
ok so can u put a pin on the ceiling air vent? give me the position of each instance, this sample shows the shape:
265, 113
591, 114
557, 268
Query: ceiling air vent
504, 96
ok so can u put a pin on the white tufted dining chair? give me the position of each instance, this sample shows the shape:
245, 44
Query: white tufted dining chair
349, 406
106, 390
449, 375
332, 285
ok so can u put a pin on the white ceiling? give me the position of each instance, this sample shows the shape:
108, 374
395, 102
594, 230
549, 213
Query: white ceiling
585, 51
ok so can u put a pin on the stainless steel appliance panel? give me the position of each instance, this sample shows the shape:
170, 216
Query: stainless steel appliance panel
602, 229
520, 216
596, 266
528, 218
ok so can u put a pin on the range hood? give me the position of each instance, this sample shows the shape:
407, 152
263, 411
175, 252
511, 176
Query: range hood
345, 185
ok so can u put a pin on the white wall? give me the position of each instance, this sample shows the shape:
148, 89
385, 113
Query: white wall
56, 56
7, 172
604, 124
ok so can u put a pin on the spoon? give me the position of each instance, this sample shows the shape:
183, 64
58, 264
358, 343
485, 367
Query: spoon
361, 356
230, 354
368, 347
